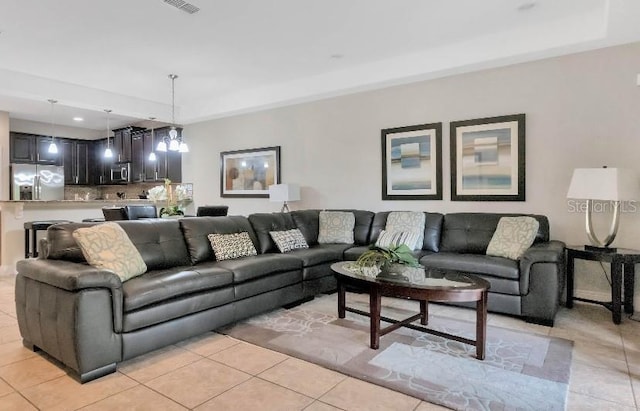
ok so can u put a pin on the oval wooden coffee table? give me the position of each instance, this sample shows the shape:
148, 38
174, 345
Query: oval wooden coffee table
435, 285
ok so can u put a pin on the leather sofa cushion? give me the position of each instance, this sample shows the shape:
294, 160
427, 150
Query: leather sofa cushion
263, 223
308, 222
473, 263
472, 232
249, 268
162, 285
320, 254
160, 242
60, 242
432, 229
196, 230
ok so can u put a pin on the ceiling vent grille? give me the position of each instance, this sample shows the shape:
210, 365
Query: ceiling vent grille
183, 5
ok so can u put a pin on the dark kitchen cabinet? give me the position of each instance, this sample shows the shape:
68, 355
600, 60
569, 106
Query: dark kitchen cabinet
76, 159
122, 144
32, 149
137, 157
150, 166
169, 164
102, 174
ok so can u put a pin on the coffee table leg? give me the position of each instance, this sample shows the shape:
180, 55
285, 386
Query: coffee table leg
341, 299
375, 300
424, 311
481, 325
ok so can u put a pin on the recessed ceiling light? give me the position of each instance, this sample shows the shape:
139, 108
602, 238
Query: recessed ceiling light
337, 56
78, 119
528, 5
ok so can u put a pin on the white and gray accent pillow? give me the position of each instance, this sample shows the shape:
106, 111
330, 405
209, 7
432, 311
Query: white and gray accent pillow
407, 221
387, 239
336, 227
289, 240
232, 246
513, 236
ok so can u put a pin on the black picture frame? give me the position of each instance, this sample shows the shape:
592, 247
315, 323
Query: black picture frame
488, 159
412, 162
249, 173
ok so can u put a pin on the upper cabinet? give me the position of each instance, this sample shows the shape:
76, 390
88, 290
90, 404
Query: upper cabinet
33, 149
168, 164
137, 157
77, 162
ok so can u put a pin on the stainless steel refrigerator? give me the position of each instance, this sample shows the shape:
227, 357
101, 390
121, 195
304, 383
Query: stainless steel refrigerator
37, 182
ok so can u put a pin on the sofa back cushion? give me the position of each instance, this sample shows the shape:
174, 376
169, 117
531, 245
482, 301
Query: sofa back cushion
364, 219
160, 242
432, 229
307, 221
472, 232
263, 223
196, 230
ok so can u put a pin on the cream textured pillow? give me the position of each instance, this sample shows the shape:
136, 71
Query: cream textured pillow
336, 227
388, 238
232, 246
289, 240
108, 246
513, 236
407, 221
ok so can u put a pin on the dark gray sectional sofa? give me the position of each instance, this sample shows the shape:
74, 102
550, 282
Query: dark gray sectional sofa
89, 320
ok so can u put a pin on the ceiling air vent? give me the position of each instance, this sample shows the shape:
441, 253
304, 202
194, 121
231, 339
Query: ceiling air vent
183, 5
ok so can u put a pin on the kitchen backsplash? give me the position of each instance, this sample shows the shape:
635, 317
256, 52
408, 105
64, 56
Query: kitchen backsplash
128, 191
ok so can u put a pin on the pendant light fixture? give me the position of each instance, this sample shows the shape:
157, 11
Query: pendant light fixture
107, 152
53, 148
175, 143
152, 155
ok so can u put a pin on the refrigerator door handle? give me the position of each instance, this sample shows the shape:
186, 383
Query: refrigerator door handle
36, 188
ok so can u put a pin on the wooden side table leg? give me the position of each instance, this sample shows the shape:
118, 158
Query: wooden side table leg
341, 299
424, 312
481, 325
616, 291
629, 283
375, 303
570, 268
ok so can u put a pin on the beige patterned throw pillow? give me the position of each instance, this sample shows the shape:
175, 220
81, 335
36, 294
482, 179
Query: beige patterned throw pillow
108, 246
387, 239
407, 221
232, 246
513, 236
336, 227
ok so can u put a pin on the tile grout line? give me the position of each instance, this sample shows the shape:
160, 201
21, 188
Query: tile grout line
626, 357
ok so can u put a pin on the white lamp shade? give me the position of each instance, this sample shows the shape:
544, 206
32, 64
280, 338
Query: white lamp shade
614, 184
284, 192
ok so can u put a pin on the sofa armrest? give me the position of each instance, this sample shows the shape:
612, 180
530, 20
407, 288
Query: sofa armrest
547, 252
68, 275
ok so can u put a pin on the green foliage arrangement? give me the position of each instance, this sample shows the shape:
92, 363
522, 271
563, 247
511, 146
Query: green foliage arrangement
379, 256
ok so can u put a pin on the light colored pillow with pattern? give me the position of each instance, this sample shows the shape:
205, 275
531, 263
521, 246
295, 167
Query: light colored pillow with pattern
336, 227
107, 246
288, 240
513, 236
407, 221
388, 238
232, 246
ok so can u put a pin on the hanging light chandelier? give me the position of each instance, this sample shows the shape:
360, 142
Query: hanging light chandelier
175, 143
108, 153
53, 148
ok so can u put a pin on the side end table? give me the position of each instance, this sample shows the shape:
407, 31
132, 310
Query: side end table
621, 260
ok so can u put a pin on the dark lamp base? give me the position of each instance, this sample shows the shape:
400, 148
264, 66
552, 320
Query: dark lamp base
600, 249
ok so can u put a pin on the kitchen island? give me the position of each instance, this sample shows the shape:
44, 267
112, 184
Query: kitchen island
13, 215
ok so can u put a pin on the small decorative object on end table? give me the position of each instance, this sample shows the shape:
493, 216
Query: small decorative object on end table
619, 259
434, 285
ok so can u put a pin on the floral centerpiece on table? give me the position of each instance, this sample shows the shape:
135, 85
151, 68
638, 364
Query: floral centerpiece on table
171, 198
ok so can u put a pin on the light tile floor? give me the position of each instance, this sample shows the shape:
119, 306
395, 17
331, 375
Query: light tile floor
215, 372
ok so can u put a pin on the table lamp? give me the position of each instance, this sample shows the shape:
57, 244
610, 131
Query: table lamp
605, 184
284, 193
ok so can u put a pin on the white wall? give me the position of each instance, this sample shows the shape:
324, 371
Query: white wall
582, 110
35, 127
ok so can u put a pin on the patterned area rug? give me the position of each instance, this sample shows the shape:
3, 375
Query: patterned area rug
521, 371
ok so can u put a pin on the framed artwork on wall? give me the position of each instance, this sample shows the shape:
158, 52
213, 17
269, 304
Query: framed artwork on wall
249, 173
412, 162
488, 159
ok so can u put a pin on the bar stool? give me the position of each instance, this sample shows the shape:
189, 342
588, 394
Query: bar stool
31, 229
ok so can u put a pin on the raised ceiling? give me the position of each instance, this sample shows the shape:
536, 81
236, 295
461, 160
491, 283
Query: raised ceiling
242, 55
